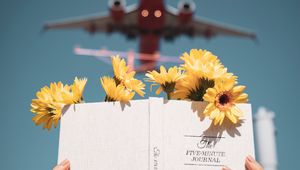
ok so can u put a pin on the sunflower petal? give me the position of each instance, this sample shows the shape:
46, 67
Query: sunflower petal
158, 91
237, 90
232, 118
209, 108
210, 95
214, 113
243, 98
222, 118
236, 111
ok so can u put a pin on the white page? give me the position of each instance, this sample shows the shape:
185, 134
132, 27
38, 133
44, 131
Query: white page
103, 136
183, 142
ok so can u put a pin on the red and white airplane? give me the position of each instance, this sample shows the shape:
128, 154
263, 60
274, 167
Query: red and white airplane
150, 20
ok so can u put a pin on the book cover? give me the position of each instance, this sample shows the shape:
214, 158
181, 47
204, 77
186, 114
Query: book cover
152, 134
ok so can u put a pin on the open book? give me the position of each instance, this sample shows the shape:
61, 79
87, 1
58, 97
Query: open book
152, 134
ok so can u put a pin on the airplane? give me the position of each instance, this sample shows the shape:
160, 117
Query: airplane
150, 21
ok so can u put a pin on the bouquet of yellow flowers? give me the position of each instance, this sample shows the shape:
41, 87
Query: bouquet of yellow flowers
201, 77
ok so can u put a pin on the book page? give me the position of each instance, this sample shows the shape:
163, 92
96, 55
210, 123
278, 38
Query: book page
105, 136
191, 142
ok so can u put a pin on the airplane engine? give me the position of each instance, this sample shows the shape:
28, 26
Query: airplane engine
117, 9
186, 10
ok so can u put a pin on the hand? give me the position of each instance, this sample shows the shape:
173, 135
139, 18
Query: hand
250, 164
64, 165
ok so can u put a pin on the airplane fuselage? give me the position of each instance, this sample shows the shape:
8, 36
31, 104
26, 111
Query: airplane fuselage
151, 22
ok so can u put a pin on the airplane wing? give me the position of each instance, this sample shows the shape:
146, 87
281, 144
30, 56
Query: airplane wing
200, 26
99, 22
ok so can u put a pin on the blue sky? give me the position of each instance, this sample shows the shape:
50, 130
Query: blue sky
29, 60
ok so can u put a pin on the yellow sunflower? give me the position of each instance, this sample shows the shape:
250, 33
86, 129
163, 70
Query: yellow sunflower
47, 113
115, 92
120, 68
50, 100
222, 102
77, 89
165, 79
192, 88
202, 63
203, 70
48, 105
60, 93
135, 85
188, 88
125, 77
74, 94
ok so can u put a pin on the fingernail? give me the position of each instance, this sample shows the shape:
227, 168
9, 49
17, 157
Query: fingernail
250, 158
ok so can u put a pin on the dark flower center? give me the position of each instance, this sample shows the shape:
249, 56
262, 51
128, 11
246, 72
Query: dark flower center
50, 111
168, 87
224, 99
109, 99
117, 81
198, 93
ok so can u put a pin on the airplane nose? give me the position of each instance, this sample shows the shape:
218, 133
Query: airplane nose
186, 6
117, 3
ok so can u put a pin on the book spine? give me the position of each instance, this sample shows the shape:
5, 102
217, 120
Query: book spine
155, 134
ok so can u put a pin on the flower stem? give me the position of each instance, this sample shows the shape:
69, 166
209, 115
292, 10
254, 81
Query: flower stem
168, 96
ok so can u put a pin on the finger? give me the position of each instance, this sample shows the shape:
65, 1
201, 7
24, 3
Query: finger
66, 166
226, 168
251, 164
64, 162
58, 167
